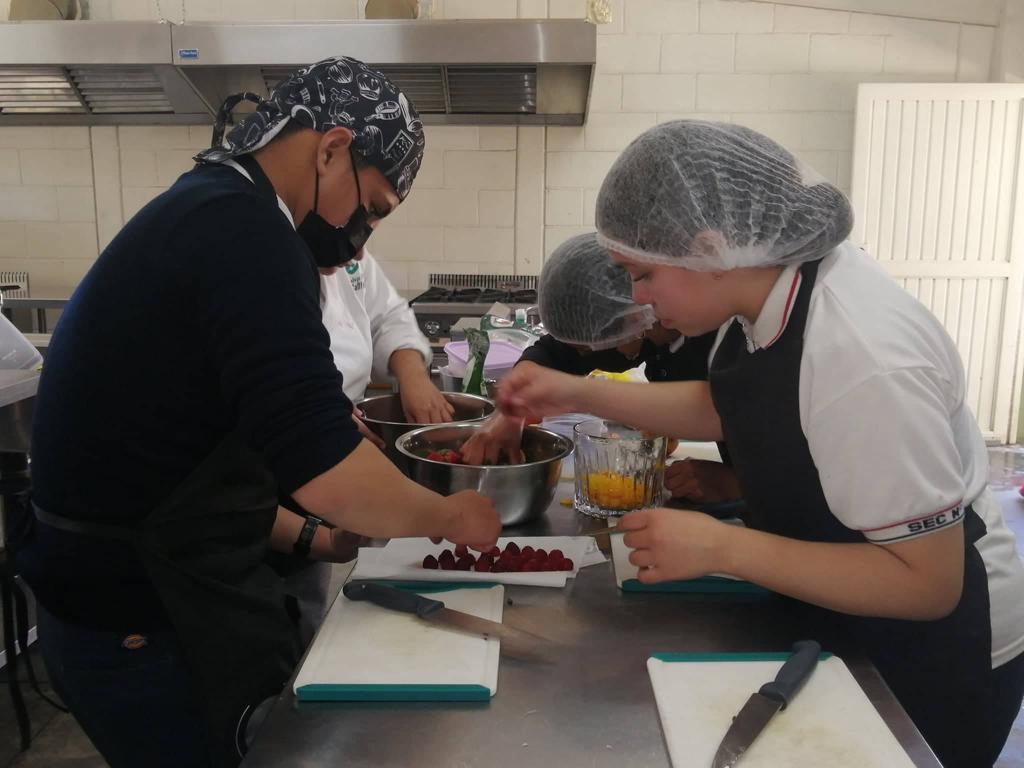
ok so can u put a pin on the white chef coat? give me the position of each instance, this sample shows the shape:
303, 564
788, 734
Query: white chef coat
367, 321
898, 451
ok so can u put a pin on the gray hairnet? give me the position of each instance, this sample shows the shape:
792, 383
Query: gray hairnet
586, 298
715, 196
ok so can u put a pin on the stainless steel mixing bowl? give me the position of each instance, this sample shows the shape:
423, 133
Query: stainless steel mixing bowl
384, 416
520, 492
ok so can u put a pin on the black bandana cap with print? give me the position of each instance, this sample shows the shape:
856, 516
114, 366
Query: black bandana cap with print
338, 92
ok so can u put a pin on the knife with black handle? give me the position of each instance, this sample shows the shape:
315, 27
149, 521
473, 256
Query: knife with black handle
762, 706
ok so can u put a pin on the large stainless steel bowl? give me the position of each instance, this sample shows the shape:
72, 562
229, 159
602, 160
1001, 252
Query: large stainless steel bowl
384, 416
520, 492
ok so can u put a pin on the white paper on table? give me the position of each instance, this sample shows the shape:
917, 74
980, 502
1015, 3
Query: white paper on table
402, 559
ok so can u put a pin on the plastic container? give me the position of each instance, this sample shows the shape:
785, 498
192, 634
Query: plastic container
16, 352
501, 358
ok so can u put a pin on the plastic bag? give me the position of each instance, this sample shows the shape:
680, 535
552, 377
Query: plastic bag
479, 345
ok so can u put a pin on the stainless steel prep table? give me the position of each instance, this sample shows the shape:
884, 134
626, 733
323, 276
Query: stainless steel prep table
593, 706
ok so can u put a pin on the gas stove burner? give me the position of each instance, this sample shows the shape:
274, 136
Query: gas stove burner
522, 296
434, 293
437, 294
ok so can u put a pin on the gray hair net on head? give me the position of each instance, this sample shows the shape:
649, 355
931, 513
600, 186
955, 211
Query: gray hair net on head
586, 298
715, 196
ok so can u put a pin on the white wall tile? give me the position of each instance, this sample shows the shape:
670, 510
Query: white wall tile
555, 236
60, 167
106, 171
772, 53
326, 9
419, 273
825, 163
589, 205
100, 10
432, 207
171, 163
646, 17
139, 10
564, 207
565, 138
974, 58
567, 9
10, 168
431, 173
784, 127
22, 137
628, 53
76, 204
410, 244
397, 273
12, 240
452, 137
204, 10
498, 137
154, 137
698, 53
496, 208
134, 198
24, 203
60, 240
138, 168
578, 169
794, 18
617, 24
5, 9
533, 9
912, 45
614, 131
827, 130
531, 161
70, 136
729, 93
651, 93
199, 136
480, 9
844, 161
480, 170
713, 117
480, 244
259, 10
847, 53
606, 93
51, 277
733, 16
810, 92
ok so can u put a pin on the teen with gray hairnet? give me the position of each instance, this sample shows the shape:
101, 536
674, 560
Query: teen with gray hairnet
842, 400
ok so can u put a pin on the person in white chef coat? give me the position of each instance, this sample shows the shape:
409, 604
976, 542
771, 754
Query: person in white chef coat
374, 334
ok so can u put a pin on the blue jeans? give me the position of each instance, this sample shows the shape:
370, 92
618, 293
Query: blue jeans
135, 704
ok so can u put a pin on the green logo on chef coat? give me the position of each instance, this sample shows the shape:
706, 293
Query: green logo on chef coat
352, 268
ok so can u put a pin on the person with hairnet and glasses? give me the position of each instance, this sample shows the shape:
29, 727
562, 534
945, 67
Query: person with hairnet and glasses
841, 399
586, 305
156, 484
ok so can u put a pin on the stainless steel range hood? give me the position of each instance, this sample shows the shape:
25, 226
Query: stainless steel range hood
455, 72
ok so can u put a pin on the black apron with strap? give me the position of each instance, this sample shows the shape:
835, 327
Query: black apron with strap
935, 668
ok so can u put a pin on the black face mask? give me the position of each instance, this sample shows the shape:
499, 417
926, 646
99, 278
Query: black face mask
333, 246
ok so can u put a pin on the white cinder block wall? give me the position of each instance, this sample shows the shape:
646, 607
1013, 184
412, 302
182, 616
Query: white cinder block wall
498, 199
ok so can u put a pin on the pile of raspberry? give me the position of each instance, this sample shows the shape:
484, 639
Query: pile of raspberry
512, 559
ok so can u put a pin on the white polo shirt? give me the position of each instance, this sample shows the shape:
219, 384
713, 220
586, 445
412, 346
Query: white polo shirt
898, 452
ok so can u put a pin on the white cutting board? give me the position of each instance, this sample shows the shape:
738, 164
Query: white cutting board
829, 724
402, 560
367, 653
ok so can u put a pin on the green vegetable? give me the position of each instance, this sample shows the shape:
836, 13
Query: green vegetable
473, 380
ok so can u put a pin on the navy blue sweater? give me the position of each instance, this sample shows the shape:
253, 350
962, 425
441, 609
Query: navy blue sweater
200, 318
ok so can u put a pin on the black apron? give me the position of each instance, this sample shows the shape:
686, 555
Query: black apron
203, 548
935, 668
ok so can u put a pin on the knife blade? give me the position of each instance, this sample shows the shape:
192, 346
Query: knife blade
436, 612
762, 706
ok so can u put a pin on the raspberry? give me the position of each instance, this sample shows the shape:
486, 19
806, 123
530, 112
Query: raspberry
500, 566
464, 563
461, 550
531, 567
430, 562
527, 551
556, 553
512, 548
446, 556
567, 565
541, 554
494, 552
482, 565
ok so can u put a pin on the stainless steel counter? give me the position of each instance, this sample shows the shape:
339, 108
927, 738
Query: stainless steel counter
592, 706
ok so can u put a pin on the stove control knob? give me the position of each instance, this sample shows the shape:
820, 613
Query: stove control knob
432, 328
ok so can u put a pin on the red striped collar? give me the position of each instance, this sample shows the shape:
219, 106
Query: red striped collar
775, 313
